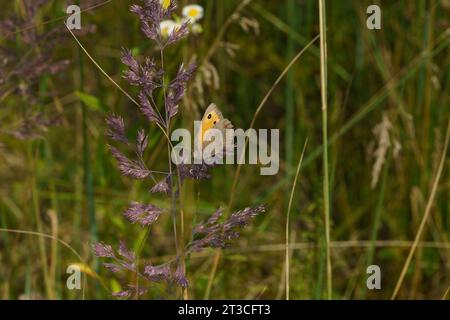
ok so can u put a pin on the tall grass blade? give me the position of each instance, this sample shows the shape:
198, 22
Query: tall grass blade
291, 197
425, 215
326, 188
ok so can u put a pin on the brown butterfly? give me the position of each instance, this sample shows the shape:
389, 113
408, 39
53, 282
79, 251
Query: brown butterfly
213, 119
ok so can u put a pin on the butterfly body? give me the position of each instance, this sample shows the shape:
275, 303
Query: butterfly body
213, 119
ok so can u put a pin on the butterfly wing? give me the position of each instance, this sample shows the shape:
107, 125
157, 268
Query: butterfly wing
213, 119
228, 135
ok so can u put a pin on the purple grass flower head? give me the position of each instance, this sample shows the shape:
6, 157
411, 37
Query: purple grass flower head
178, 33
152, 31
143, 214
116, 129
132, 291
180, 278
214, 234
194, 171
128, 167
122, 294
157, 273
203, 228
185, 74
148, 110
151, 13
215, 217
125, 252
162, 186
132, 74
131, 266
125, 260
177, 88
137, 291
147, 76
141, 142
102, 250
114, 268
128, 59
242, 218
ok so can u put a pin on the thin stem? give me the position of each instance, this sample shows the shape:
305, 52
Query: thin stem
377, 217
326, 188
183, 250
37, 217
288, 216
88, 177
444, 297
172, 209
290, 94
212, 274
178, 246
425, 216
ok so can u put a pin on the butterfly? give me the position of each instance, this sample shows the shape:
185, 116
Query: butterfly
213, 119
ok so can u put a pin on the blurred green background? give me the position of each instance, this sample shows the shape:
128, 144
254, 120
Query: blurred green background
388, 112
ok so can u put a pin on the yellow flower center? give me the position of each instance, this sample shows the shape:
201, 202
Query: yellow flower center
193, 13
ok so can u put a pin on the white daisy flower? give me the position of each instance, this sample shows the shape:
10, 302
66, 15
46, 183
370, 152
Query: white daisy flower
167, 27
193, 12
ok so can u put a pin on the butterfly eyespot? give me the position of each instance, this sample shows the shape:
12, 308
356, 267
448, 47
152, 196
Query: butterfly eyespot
209, 116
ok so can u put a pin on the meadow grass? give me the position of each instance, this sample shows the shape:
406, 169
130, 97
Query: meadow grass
288, 214
325, 174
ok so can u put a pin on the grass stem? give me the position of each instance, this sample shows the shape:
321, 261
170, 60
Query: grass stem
425, 216
326, 193
291, 197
